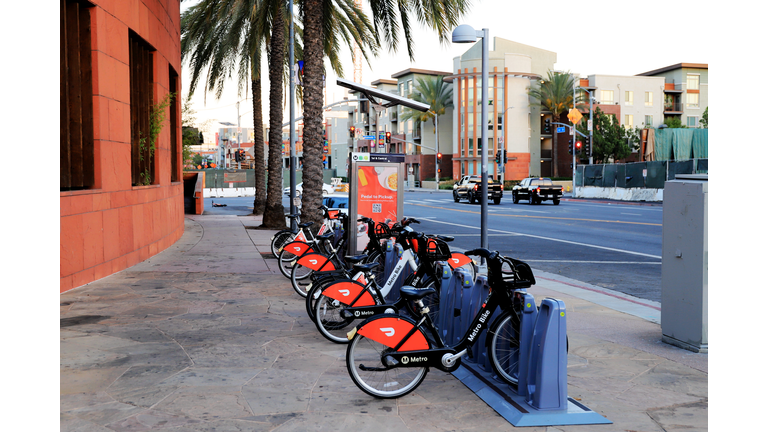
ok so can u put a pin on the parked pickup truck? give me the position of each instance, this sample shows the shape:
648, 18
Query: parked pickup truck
536, 190
470, 188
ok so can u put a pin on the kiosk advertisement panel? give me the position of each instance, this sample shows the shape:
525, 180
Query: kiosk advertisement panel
376, 191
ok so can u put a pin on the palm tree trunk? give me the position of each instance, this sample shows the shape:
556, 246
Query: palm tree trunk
313, 112
260, 198
274, 213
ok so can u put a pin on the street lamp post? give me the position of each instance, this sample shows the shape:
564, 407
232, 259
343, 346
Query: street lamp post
503, 147
467, 34
292, 80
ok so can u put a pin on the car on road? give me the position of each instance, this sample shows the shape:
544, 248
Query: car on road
471, 188
537, 190
327, 189
337, 201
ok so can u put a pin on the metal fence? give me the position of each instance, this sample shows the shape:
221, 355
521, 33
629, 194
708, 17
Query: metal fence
651, 174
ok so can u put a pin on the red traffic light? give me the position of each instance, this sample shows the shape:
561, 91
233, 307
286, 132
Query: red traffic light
578, 145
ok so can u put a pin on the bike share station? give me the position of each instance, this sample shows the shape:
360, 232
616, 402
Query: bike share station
541, 396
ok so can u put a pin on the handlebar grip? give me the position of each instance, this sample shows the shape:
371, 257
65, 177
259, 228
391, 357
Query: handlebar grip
485, 253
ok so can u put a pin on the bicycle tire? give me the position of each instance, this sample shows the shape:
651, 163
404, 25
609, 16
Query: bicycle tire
279, 240
328, 321
284, 262
313, 294
378, 271
380, 384
504, 347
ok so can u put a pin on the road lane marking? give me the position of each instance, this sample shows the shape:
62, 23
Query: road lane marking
594, 262
548, 217
555, 240
631, 214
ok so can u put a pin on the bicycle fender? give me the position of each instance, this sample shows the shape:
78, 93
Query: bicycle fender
316, 262
297, 248
458, 259
390, 330
347, 291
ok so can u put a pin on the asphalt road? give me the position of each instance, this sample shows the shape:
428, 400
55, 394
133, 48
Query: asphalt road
611, 245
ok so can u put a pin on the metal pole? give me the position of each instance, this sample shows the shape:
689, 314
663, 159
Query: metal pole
437, 150
239, 137
573, 132
484, 138
591, 126
292, 80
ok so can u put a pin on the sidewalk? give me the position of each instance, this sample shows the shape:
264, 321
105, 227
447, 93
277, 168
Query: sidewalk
208, 335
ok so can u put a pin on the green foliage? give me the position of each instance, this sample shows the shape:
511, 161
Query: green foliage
705, 119
433, 92
147, 144
610, 139
675, 123
189, 137
555, 94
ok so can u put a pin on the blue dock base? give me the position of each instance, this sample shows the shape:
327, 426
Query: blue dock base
514, 409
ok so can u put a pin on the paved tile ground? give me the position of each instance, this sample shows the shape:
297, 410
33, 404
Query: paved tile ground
208, 336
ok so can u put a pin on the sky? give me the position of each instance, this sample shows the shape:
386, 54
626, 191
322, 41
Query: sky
592, 37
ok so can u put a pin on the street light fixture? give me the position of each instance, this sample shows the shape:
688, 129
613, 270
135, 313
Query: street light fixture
467, 34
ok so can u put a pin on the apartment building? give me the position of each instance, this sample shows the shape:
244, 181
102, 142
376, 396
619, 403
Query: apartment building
686, 91
515, 120
635, 100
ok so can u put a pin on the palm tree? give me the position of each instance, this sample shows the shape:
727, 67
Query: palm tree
439, 96
555, 94
388, 18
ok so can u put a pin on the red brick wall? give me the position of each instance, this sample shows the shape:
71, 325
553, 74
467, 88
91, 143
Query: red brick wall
116, 225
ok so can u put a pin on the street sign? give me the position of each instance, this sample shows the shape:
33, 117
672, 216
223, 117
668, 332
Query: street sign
574, 116
560, 129
369, 137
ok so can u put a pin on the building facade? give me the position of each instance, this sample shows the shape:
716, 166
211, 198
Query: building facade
121, 187
515, 121
686, 91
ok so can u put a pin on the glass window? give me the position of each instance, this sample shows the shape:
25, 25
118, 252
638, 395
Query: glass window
693, 82
648, 121
606, 96
693, 121
648, 98
629, 121
692, 100
629, 98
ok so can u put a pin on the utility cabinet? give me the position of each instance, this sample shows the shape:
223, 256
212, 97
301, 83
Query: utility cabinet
684, 264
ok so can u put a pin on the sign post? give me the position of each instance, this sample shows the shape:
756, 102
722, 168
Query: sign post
376, 191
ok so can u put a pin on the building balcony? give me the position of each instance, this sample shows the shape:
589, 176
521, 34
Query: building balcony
673, 108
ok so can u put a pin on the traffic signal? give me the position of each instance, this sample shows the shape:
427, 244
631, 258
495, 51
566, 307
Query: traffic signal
588, 144
388, 137
578, 146
351, 131
570, 146
547, 126
505, 156
498, 156
439, 157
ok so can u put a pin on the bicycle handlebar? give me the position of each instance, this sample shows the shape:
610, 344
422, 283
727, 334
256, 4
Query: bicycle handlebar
482, 252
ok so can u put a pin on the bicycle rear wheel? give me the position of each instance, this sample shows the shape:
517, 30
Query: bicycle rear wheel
279, 241
285, 262
504, 348
386, 384
329, 321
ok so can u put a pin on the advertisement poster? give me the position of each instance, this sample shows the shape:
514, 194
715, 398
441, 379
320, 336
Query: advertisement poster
377, 197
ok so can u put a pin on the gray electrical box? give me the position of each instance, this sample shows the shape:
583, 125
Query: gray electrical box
684, 263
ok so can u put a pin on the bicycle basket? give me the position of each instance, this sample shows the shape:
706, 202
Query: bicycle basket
437, 250
516, 274
382, 231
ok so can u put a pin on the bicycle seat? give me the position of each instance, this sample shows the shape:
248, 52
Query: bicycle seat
414, 293
365, 267
354, 259
306, 224
444, 238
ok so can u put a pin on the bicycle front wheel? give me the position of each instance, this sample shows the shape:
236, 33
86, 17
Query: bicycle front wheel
329, 321
504, 349
279, 241
285, 262
364, 354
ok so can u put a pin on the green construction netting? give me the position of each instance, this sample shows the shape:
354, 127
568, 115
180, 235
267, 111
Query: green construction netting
663, 144
681, 143
578, 178
609, 175
702, 166
656, 174
593, 175
679, 167
633, 175
700, 143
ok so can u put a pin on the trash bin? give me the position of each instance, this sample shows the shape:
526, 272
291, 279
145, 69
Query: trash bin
684, 264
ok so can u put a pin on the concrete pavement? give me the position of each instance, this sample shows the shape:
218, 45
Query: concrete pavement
209, 336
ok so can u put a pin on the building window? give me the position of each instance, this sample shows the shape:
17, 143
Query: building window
692, 100
648, 99
629, 98
629, 121
693, 82
648, 121
606, 96
76, 169
142, 152
173, 87
693, 121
